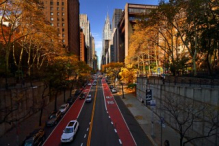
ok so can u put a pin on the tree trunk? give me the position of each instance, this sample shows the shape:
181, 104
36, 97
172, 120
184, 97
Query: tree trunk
208, 64
64, 93
55, 103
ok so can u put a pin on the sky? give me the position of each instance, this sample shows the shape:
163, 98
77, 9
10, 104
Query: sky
97, 10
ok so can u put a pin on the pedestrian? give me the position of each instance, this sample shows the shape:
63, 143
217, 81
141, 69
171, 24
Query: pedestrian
166, 143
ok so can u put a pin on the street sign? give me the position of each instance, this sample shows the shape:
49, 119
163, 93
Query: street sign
148, 94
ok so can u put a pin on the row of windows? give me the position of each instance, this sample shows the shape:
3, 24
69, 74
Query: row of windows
57, 14
51, 3
58, 24
57, 19
51, 9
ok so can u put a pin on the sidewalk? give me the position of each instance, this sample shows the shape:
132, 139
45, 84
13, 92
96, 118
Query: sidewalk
144, 115
11, 138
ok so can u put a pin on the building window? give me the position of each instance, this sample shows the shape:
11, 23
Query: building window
51, 8
62, 19
57, 13
63, 14
57, 3
62, 8
63, 35
63, 24
63, 41
57, 8
63, 30
59, 34
51, 13
51, 24
57, 24
57, 19
63, 3
51, 19
51, 3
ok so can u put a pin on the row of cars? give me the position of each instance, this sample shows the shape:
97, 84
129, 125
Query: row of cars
73, 125
37, 137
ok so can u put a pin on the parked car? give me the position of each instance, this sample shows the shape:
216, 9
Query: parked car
63, 108
89, 84
94, 84
35, 138
70, 100
77, 92
114, 90
54, 118
111, 86
83, 95
89, 99
70, 131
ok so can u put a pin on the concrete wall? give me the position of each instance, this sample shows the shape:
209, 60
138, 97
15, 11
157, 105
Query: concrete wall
200, 96
19, 103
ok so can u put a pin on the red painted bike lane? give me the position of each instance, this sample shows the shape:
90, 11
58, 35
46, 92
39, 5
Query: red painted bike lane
117, 118
54, 138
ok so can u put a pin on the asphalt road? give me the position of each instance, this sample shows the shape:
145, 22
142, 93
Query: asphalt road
103, 133
101, 127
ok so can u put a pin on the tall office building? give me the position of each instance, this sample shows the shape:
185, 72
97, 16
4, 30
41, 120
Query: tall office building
64, 15
85, 25
107, 36
82, 46
125, 28
117, 14
74, 27
92, 51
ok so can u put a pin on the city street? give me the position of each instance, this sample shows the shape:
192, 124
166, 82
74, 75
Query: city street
101, 122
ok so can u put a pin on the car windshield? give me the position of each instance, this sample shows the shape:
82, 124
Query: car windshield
28, 142
62, 107
52, 116
68, 130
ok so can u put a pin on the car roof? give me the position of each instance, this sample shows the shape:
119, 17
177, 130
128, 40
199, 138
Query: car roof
71, 123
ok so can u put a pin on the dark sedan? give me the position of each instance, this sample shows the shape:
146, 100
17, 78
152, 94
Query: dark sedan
54, 119
35, 138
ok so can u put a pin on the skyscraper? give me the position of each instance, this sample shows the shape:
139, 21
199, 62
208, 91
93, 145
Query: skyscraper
74, 27
117, 14
64, 15
107, 37
85, 25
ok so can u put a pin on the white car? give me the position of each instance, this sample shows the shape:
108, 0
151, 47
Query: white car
70, 131
89, 99
89, 84
63, 108
114, 90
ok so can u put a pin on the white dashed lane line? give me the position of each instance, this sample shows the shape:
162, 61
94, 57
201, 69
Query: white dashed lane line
87, 129
85, 135
120, 141
115, 130
81, 144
